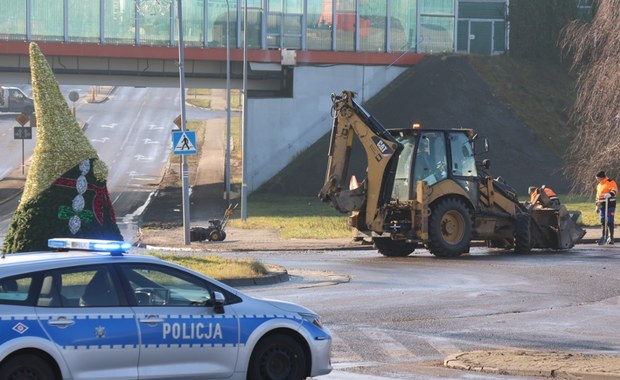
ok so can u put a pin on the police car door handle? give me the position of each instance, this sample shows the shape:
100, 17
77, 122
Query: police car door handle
151, 320
61, 322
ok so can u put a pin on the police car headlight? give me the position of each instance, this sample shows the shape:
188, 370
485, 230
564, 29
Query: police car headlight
312, 318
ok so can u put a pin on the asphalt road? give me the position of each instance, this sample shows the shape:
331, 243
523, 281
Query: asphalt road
131, 130
401, 317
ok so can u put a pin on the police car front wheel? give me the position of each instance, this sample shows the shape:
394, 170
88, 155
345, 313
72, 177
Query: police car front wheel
278, 357
26, 367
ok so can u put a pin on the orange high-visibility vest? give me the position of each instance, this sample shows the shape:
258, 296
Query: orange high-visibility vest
606, 186
550, 193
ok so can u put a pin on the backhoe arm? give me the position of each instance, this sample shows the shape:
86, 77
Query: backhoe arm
382, 151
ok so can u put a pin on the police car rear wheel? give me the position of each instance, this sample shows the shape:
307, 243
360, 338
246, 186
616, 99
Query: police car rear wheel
26, 367
277, 357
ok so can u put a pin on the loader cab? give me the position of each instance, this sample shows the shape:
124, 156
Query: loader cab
432, 156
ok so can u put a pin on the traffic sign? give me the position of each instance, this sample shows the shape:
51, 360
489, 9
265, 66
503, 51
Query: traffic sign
22, 133
177, 121
22, 119
184, 142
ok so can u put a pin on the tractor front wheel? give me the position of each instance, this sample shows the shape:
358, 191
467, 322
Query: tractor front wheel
450, 228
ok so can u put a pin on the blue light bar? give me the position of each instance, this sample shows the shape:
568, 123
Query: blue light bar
112, 246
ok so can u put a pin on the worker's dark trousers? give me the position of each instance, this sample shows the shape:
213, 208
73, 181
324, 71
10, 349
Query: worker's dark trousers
610, 227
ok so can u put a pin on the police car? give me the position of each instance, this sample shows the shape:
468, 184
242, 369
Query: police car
79, 314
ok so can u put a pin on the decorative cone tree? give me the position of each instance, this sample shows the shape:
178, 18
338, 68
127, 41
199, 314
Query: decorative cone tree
65, 194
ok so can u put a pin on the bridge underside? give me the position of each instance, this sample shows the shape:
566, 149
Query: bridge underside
269, 72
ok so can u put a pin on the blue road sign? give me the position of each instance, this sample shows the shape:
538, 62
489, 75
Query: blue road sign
184, 142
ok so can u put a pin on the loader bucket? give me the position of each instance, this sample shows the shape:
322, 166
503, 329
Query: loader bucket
555, 228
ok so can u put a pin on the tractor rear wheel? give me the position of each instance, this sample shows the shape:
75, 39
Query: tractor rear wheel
450, 228
393, 248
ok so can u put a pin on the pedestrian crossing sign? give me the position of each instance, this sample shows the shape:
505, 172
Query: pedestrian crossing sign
184, 142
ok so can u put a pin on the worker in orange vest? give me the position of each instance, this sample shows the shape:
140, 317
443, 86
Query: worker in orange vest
606, 191
534, 191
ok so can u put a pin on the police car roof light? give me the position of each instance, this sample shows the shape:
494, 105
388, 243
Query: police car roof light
114, 247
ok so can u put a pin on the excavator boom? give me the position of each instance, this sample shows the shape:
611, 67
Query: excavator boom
382, 151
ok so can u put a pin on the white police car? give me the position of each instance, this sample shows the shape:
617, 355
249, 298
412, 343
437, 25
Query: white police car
92, 315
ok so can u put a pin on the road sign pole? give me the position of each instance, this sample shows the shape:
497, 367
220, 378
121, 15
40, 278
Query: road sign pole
23, 158
185, 179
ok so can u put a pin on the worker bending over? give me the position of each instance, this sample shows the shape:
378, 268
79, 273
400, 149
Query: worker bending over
535, 198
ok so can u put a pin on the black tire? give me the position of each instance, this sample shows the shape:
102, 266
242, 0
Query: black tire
522, 233
223, 235
449, 228
215, 235
277, 357
393, 248
26, 367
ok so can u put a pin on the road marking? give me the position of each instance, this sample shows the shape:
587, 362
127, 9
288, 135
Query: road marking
103, 140
393, 348
443, 345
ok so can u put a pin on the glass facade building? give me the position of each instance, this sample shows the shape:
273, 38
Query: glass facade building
421, 26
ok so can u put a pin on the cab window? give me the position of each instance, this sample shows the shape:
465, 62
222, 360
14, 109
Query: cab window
463, 161
431, 158
402, 180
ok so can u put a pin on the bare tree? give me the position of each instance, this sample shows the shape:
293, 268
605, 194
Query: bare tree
594, 50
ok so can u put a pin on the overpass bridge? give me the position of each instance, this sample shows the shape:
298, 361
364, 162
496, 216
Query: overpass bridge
298, 52
135, 42
269, 73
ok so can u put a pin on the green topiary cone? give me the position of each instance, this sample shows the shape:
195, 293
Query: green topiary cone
65, 194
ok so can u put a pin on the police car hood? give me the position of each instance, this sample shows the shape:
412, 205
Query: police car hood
288, 306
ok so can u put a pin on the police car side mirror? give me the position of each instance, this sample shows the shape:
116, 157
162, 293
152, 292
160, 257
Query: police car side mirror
219, 301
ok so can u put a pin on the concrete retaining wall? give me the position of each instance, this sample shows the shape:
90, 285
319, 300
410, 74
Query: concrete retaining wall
279, 129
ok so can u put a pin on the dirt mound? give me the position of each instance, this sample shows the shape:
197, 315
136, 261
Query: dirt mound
441, 92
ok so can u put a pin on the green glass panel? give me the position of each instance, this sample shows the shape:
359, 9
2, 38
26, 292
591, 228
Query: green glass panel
292, 24
254, 33
47, 20
436, 7
193, 23
372, 25
119, 22
13, 20
345, 25
319, 29
293, 6
275, 5
83, 20
403, 25
216, 11
155, 26
436, 35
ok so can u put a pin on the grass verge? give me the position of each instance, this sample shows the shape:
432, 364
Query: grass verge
217, 267
309, 218
293, 217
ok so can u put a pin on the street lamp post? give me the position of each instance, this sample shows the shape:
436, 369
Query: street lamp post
185, 174
228, 171
244, 211
159, 6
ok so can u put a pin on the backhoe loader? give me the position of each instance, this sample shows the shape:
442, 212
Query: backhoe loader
425, 188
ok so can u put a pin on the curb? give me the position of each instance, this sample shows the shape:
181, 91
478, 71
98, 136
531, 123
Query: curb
453, 361
277, 274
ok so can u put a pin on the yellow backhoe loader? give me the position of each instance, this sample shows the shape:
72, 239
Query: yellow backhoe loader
424, 187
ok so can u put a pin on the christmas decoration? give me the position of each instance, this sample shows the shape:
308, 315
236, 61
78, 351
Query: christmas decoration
65, 194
